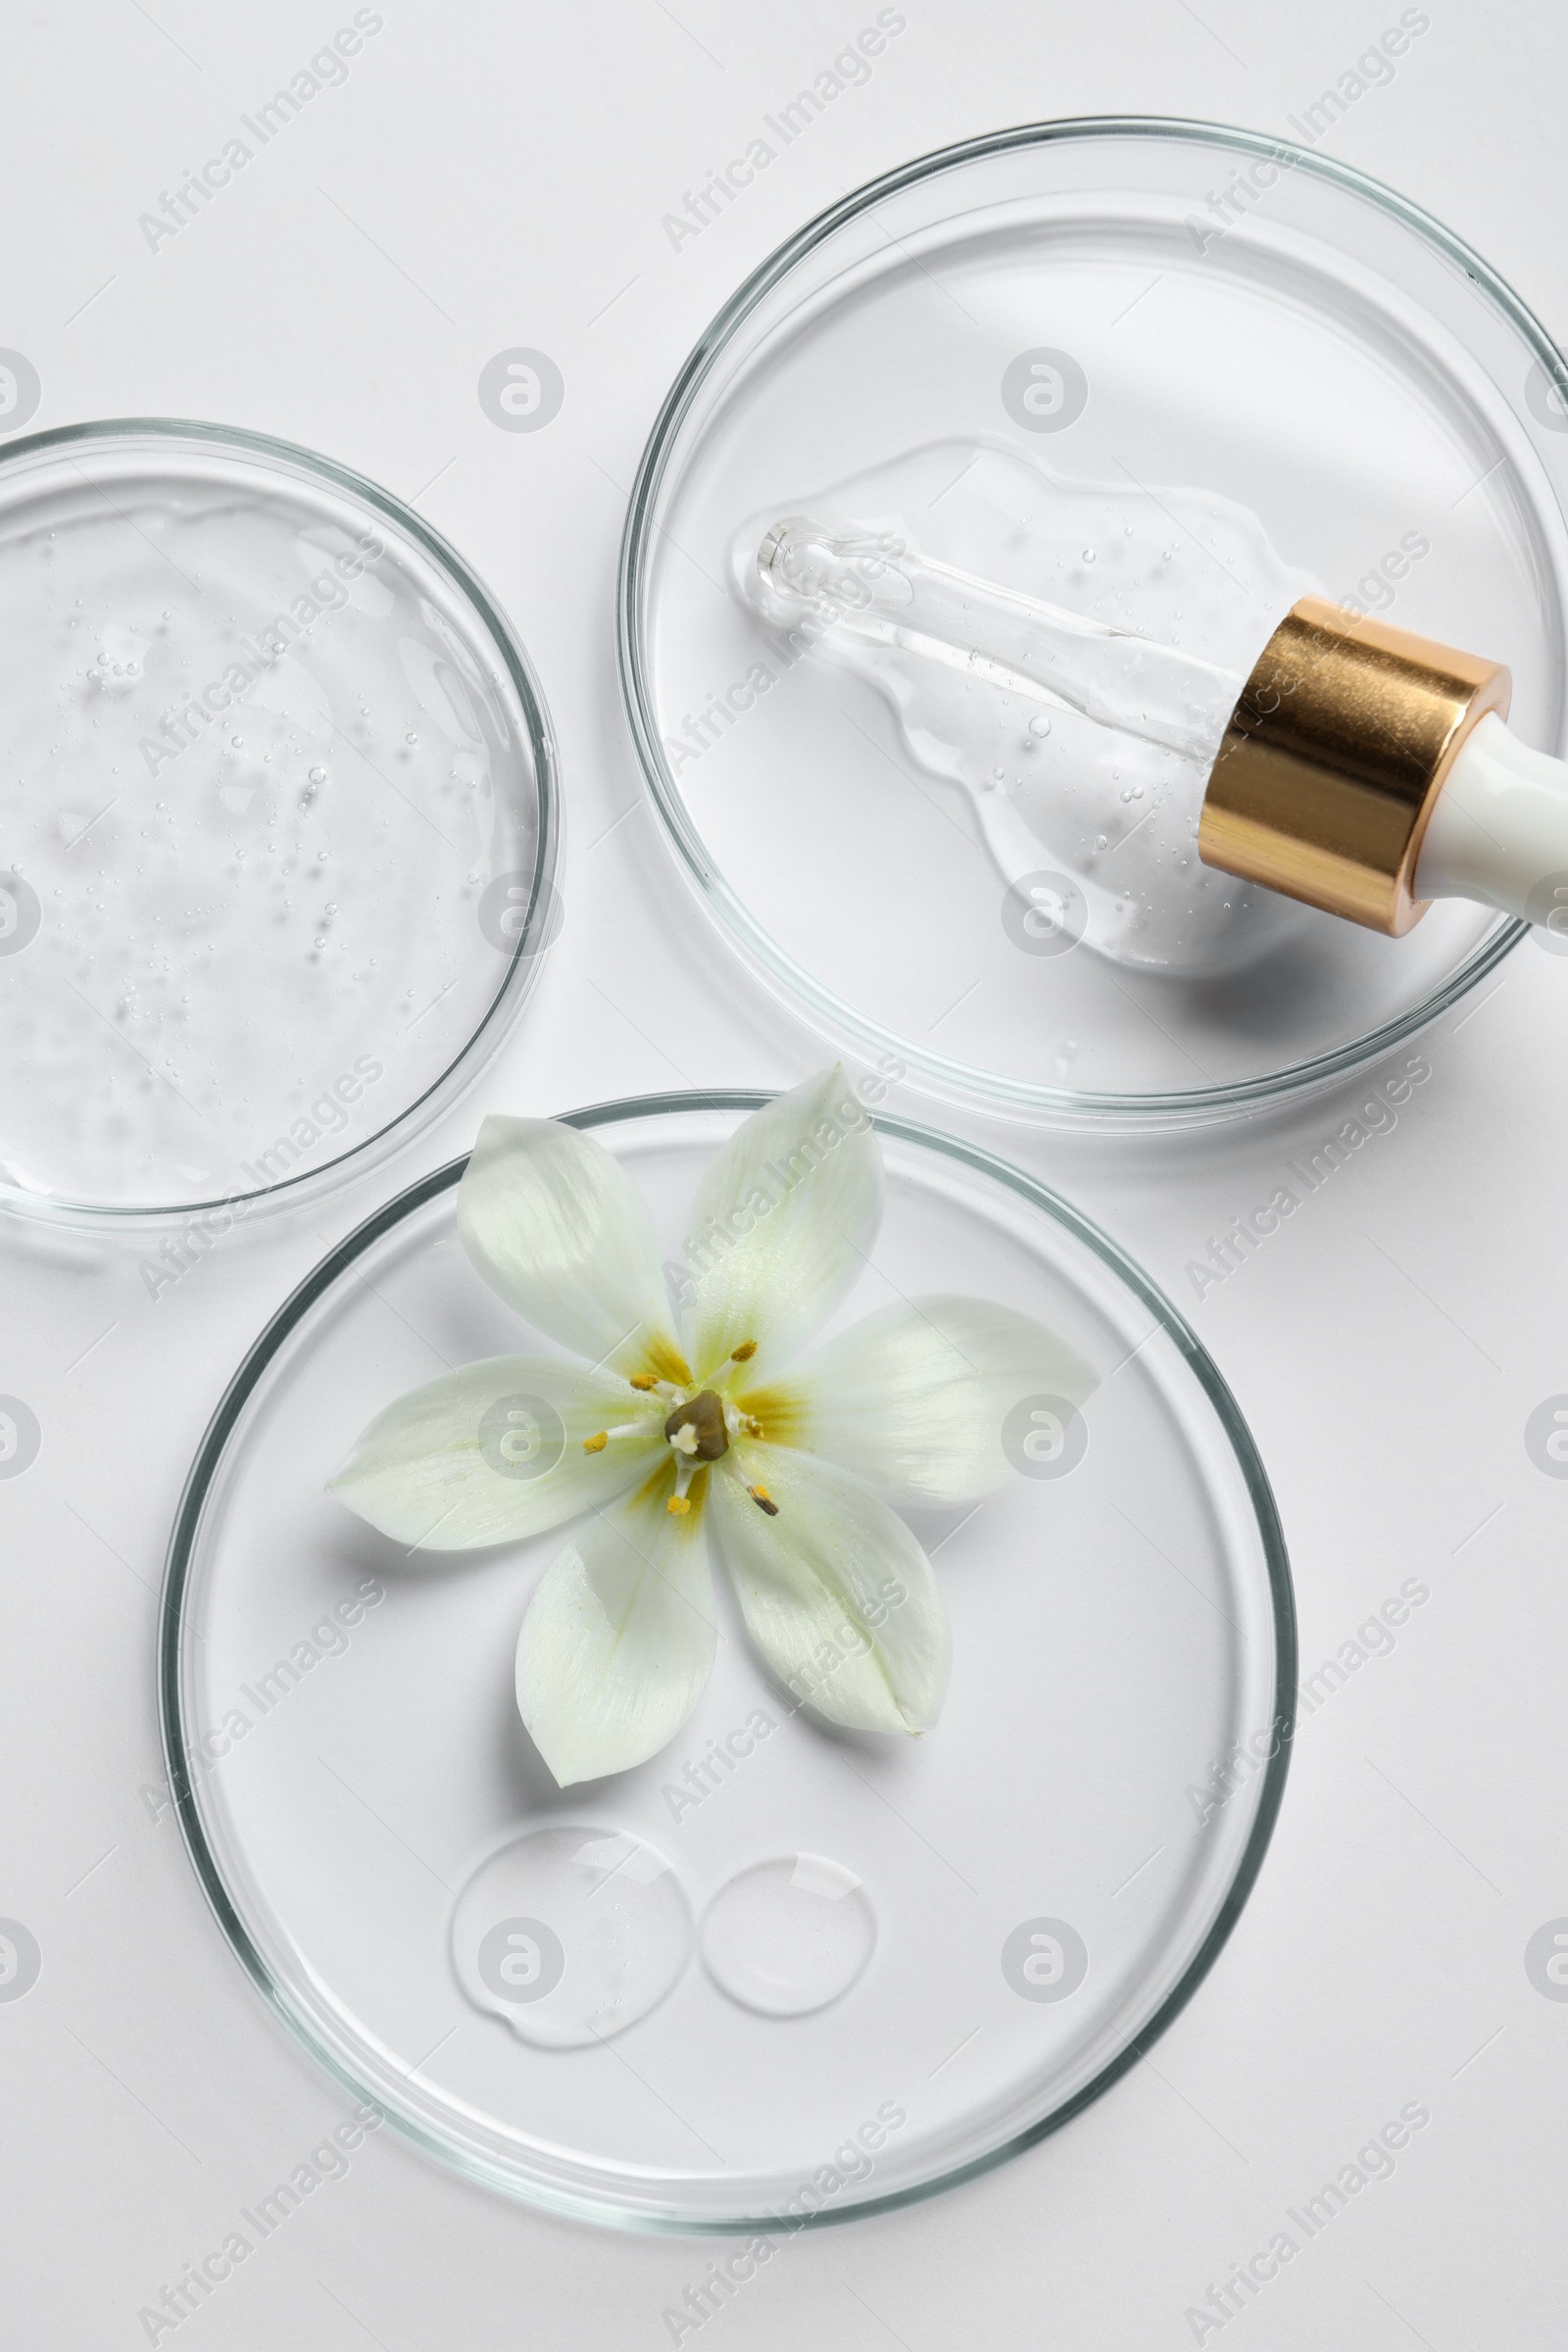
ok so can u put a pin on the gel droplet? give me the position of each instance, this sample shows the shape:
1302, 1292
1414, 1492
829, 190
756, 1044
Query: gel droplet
570, 1934
787, 1936
1115, 648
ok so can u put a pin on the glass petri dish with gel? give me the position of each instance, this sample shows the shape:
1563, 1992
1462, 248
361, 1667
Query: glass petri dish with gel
278, 821
776, 1974
955, 542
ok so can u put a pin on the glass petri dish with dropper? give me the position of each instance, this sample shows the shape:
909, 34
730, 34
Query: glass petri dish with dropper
1119, 388
777, 1975
279, 824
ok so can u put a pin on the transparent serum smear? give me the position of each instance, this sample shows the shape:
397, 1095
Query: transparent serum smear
788, 1937
570, 1934
1067, 653
234, 920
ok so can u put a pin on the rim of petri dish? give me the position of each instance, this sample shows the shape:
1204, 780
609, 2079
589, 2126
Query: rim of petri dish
176, 1631
520, 970
955, 1083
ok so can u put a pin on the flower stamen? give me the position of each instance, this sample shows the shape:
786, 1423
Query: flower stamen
744, 1353
679, 1502
764, 1500
622, 1429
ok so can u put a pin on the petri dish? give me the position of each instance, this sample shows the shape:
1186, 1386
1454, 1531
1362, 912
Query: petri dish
279, 824
775, 1975
1162, 313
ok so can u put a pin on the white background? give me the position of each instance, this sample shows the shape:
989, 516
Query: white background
492, 178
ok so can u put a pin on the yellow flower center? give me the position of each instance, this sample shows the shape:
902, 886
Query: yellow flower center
697, 1429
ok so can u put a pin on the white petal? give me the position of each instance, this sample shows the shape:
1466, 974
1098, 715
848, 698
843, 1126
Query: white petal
837, 1594
619, 1641
916, 1398
495, 1453
553, 1222
782, 1223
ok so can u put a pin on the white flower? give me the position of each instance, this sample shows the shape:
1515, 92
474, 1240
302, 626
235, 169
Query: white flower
654, 1433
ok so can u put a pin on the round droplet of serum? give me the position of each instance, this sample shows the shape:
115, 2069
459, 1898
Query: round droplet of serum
788, 1937
570, 1934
